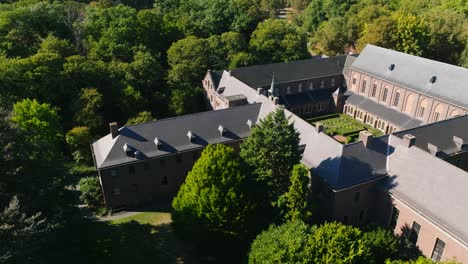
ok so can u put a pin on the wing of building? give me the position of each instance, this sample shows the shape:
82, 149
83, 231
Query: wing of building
412, 179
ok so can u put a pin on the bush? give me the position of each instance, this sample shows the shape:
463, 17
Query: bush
287, 243
91, 193
383, 244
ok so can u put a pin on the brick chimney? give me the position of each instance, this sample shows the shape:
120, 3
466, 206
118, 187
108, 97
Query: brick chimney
114, 130
366, 137
408, 140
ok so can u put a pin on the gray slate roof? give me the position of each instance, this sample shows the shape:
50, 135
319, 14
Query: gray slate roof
414, 73
261, 75
396, 117
172, 132
430, 186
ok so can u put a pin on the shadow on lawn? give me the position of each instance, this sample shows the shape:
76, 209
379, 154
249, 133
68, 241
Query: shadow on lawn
132, 243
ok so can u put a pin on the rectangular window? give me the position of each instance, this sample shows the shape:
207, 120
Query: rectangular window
357, 196
414, 234
131, 169
354, 80
134, 188
394, 219
374, 90
438, 250
385, 93
162, 163
333, 82
114, 172
397, 99
164, 180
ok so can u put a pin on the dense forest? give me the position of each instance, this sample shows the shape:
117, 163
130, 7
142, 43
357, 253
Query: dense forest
68, 68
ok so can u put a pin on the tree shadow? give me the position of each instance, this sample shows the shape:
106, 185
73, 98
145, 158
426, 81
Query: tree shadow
132, 242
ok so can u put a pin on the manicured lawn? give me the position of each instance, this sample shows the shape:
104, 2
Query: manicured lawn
344, 125
143, 238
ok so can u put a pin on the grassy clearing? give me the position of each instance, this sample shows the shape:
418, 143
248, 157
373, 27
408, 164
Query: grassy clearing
142, 238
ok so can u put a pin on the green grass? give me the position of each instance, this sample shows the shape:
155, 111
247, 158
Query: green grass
143, 238
343, 125
152, 218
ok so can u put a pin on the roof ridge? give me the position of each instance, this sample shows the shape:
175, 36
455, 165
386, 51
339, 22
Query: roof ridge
431, 124
190, 115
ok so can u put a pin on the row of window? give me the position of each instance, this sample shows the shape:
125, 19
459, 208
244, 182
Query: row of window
147, 166
368, 119
311, 86
413, 235
309, 109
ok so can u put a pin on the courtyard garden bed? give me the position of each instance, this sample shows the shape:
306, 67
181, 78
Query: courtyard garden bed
342, 127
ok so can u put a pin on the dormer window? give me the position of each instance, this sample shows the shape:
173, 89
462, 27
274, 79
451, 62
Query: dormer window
433, 79
221, 130
157, 142
391, 67
128, 150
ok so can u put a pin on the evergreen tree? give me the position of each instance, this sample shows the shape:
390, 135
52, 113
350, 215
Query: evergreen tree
271, 151
295, 203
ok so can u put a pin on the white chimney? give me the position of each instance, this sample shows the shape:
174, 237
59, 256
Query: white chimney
157, 142
433, 149
319, 127
190, 136
459, 142
250, 123
128, 149
408, 140
221, 130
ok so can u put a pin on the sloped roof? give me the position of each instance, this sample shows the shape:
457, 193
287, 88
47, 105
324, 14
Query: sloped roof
432, 187
172, 133
396, 117
261, 75
414, 72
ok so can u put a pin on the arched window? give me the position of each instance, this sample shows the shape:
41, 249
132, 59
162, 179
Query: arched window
374, 90
396, 100
385, 94
363, 86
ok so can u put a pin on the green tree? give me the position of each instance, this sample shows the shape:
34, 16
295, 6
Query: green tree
411, 35
338, 243
41, 122
213, 202
78, 140
271, 151
331, 37
87, 108
186, 101
91, 192
142, 117
312, 16
287, 243
22, 235
380, 32
273, 6
421, 260
296, 200
463, 61
383, 244
276, 40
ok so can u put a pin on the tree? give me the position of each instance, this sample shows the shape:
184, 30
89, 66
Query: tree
276, 40
383, 244
296, 200
78, 139
312, 16
380, 32
41, 122
273, 6
338, 243
331, 37
87, 108
271, 151
213, 202
21, 235
463, 61
287, 243
186, 100
91, 192
188, 60
411, 35
142, 117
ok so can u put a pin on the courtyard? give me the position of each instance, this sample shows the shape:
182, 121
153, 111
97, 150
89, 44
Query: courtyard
342, 127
